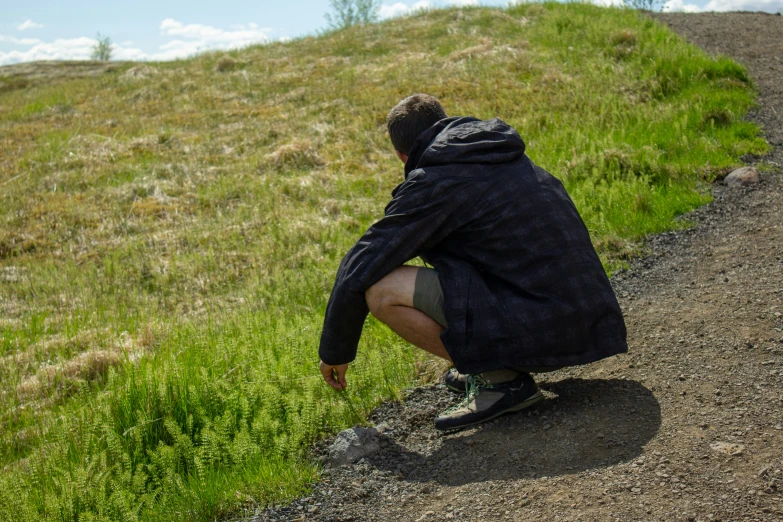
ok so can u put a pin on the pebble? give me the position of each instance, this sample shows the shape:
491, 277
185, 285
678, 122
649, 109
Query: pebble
742, 177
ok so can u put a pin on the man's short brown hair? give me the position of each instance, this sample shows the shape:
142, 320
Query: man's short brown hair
411, 117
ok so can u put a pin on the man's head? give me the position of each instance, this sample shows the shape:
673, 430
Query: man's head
411, 117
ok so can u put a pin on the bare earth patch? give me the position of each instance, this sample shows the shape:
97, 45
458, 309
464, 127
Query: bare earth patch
688, 426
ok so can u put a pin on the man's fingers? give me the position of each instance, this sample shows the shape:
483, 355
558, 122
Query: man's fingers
328, 373
341, 376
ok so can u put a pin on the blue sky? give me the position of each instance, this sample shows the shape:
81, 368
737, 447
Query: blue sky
161, 30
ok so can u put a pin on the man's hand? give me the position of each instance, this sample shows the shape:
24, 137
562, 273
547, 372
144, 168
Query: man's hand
335, 375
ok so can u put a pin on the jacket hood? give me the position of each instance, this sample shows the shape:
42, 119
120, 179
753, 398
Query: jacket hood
465, 140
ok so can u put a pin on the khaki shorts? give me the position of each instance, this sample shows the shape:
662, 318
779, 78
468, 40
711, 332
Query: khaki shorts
428, 297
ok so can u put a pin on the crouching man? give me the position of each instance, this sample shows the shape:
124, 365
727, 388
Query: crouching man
516, 286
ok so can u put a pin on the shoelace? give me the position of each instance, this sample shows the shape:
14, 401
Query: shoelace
473, 385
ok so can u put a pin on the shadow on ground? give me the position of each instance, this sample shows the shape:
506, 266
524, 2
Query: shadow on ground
587, 424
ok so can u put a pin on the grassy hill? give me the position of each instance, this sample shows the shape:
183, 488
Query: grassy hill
169, 233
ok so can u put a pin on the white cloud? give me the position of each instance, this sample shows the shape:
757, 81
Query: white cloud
679, 6
28, 24
60, 49
769, 6
400, 9
67, 49
195, 38
63, 49
392, 11
187, 39
19, 41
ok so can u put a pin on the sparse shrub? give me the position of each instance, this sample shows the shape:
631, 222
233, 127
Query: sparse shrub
102, 49
347, 13
226, 63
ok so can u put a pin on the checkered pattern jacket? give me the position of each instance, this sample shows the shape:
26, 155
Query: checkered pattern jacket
522, 283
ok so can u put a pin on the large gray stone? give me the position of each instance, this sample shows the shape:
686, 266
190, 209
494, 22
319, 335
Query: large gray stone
352, 445
742, 177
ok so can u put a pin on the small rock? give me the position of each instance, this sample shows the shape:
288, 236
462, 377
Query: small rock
383, 427
351, 445
728, 448
742, 177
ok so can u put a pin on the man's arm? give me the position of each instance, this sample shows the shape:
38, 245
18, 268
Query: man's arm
419, 216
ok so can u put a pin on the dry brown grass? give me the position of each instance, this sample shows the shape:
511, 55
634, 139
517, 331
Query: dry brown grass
624, 43
472, 52
64, 378
298, 154
99, 354
625, 37
140, 72
226, 63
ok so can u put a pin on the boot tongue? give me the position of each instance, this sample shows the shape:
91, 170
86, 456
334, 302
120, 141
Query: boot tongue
499, 376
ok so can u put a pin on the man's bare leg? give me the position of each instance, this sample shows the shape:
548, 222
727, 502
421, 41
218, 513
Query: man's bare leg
391, 301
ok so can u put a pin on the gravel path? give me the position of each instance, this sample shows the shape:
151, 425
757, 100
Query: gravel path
688, 426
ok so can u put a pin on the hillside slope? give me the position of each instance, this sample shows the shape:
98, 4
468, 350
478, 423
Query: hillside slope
687, 426
169, 234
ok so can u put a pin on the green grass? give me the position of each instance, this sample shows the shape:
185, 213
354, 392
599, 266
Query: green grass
169, 234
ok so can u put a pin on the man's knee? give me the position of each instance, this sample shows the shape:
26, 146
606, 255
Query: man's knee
395, 289
375, 297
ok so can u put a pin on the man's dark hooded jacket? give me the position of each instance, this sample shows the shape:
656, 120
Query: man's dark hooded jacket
521, 281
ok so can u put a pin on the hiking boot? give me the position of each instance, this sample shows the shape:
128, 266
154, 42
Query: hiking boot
455, 381
485, 400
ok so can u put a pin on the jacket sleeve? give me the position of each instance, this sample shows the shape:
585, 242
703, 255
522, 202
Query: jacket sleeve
419, 216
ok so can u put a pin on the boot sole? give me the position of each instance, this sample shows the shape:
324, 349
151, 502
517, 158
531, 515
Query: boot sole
530, 401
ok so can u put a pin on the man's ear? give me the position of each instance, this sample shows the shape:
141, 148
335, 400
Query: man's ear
403, 157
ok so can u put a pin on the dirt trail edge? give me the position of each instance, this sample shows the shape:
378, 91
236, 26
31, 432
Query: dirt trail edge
688, 426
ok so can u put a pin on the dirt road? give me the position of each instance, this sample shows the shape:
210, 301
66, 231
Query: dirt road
688, 426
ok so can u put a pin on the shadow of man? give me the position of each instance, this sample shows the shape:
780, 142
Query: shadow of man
588, 424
